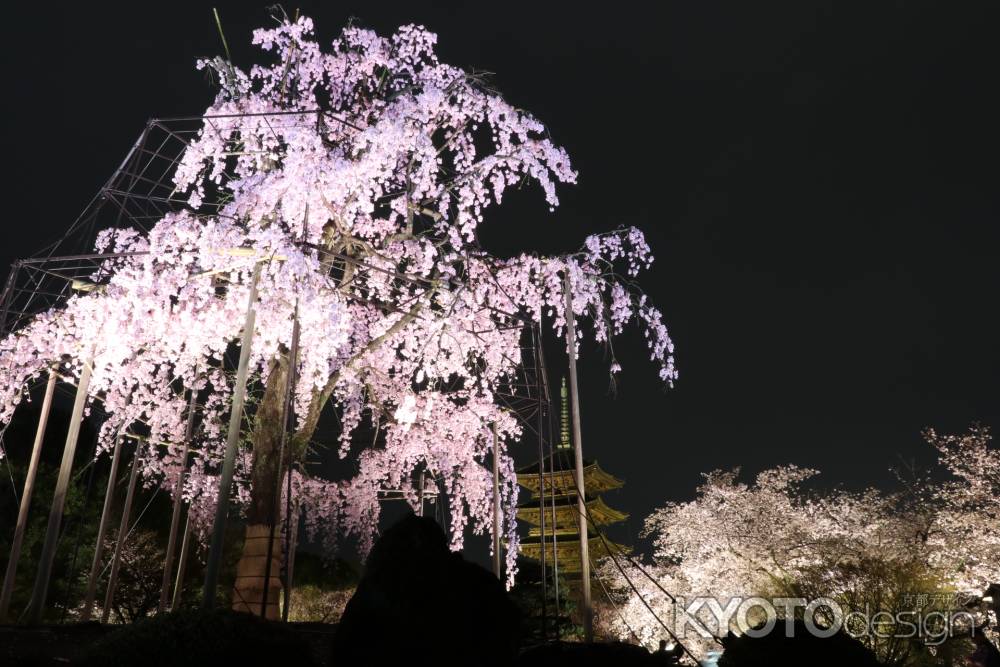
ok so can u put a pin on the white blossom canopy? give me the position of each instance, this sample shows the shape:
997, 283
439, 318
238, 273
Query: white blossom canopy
774, 534
357, 177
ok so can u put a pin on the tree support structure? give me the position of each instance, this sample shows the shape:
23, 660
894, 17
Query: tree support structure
497, 561
36, 608
269, 607
109, 596
29, 489
214, 562
581, 501
175, 517
102, 529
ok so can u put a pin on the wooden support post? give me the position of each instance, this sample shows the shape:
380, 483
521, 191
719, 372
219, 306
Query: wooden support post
109, 595
36, 608
497, 562
102, 529
29, 489
214, 562
175, 517
175, 603
581, 501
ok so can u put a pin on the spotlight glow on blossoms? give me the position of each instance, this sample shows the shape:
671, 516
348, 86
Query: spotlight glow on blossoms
358, 176
869, 551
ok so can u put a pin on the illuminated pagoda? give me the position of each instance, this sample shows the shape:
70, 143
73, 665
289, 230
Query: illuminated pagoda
557, 476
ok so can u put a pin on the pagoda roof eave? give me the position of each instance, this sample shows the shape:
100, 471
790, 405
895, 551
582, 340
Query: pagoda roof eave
598, 511
592, 470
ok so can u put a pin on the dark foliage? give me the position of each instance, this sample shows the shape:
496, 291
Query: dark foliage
326, 573
190, 638
418, 603
986, 654
139, 579
558, 654
79, 529
527, 594
803, 648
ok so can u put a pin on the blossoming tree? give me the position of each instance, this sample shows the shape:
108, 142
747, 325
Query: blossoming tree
353, 181
963, 531
870, 550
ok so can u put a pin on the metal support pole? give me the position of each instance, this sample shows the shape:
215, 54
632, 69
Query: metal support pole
293, 543
555, 537
41, 589
109, 595
182, 559
420, 494
175, 517
229, 462
29, 489
543, 391
70, 589
497, 566
8, 296
102, 529
291, 533
581, 501
286, 415
555, 527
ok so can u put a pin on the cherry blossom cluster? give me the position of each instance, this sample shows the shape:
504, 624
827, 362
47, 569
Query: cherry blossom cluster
160, 325
780, 536
353, 178
962, 531
600, 294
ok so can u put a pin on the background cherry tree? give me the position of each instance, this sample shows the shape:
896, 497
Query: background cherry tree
926, 546
355, 178
963, 533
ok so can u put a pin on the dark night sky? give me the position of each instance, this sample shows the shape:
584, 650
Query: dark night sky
818, 181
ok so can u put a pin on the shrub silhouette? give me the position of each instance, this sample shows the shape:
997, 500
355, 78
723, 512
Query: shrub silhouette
195, 637
803, 648
419, 603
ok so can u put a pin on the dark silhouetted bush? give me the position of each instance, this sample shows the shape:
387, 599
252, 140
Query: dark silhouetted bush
189, 638
570, 654
417, 604
803, 648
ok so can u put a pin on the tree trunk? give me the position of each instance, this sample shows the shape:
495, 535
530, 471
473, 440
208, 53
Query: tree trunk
267, 471
248, 593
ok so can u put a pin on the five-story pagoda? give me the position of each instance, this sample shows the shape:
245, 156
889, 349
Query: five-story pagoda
562, 534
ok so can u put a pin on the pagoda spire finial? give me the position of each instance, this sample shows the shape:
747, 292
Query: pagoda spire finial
564, 442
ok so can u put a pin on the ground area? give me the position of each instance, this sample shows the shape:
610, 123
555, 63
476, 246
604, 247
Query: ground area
66, 644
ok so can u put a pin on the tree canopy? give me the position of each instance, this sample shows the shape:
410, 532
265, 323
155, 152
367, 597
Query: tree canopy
355, 178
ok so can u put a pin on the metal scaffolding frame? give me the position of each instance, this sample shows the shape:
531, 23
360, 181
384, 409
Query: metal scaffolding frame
139, 193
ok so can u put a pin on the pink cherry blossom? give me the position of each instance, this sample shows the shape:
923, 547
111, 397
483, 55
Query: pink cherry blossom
356, 175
